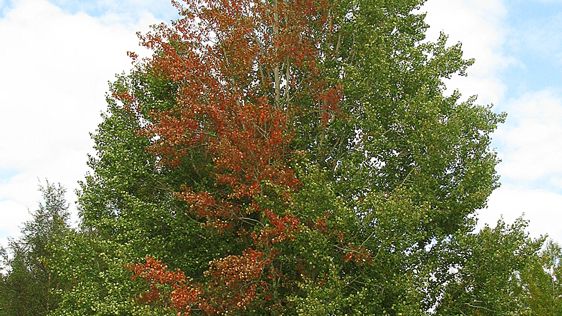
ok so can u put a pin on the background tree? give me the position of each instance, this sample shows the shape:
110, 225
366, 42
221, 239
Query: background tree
28, 287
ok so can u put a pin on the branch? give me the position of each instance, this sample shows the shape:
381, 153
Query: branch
479, 307
276, 73
248, 219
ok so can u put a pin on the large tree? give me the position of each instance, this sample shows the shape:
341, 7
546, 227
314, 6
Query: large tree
288, 157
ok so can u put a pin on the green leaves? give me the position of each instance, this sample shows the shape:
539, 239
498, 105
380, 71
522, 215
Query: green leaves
489, 276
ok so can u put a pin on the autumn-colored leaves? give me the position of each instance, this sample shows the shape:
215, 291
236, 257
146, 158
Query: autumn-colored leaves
234, 284
239, 68
171, 287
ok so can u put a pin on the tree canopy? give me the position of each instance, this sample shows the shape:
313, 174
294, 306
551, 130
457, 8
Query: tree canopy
26, 288
296, 157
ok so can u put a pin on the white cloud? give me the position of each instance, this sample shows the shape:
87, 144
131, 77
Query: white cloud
531, 151
531, 141
542, 208
55, 68
479, 26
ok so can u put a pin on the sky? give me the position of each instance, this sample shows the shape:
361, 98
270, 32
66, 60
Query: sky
57, 57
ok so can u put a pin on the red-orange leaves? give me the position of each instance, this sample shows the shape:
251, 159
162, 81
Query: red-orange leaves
235, 270
235, 281
124, 97
249, 146
240, 68
252, 147
166, 286
156, 271
236, 77
183, 298
282, 228
330, 100
202, 203
321, 224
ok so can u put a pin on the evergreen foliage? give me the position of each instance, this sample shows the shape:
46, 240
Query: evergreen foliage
29, 285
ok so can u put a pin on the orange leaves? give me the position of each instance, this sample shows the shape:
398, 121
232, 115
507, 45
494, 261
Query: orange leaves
222, 56
156, 271
248, 145
321, 224
310, 8
331, 97
242, 72
124, 97
252, 148
233, 271
234, 284
166, 286
235, 281
283, 228
296, 23
330, 100
219, 214
134, 56
182, 298
201, 203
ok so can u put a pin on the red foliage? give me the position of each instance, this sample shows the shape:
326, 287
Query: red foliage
282, 228
330, 100
229, 60
321, 224
178, 292
235, 281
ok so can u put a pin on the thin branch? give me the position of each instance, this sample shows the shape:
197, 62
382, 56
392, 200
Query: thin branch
250, 220
479, 307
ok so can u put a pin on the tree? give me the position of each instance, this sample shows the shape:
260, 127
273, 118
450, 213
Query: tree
28, 287
542, 281
490, 277
284, 157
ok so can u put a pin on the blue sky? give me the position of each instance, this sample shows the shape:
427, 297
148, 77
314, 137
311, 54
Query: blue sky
57, 56
534, 42
534, 38
125, 9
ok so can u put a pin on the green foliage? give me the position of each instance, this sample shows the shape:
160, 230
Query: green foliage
97, 283
28, 287
543, 282
489, 277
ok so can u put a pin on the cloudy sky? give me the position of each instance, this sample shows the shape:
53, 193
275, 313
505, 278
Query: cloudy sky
56, 57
